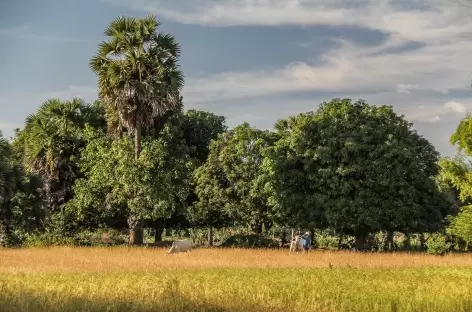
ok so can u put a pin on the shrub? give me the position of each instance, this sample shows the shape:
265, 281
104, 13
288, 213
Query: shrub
100, 238
47, 239
437, 244
250, 241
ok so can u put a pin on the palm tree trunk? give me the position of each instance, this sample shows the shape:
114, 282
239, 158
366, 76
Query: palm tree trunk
137, 142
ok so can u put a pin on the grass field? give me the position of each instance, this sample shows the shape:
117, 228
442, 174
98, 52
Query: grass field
139, 279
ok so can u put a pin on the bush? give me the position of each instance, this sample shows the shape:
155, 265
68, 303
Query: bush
437, 244
8, 240
250, 241
84, 238
325, 239
47, 239
100, 238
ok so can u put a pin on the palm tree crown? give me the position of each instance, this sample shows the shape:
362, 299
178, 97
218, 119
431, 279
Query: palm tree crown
139, 78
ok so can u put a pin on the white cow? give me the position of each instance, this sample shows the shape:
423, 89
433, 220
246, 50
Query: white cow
180, 246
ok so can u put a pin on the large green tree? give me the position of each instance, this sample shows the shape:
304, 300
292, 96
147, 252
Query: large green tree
49, 144
151, 188
355, 167
138, 74
232, 181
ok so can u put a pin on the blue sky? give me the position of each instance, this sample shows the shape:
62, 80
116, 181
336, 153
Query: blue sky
257, 60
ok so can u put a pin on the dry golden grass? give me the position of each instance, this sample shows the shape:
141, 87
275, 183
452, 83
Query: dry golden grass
138, 279
124, 259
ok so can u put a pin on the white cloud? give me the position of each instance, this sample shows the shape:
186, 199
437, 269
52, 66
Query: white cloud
349, 68
455, 107
379, 14
443, 63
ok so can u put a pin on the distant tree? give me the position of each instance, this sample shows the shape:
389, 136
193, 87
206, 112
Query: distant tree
232, 183
355, 167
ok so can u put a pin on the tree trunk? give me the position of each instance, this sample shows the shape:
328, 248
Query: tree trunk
257, 228
407, 242
312, 236
137, 142
159, 226
267, 226
388, 243
340, 240
210, 236
136, 234
361, 238
283, 238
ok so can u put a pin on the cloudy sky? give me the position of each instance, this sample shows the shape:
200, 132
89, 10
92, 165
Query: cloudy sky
257, 60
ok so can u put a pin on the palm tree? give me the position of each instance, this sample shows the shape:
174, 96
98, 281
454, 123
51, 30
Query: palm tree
138, 74
50, 138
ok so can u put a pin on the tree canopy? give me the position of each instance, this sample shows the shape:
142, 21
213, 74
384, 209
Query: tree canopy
355, 167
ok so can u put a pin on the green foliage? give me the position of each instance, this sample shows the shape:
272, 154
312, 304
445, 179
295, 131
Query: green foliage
20, 199
46, 239
437, 244
50, 142
231, 184
461, 225
325, 239
357, 168
151, 187
101, 237
199, 129
462, 137
250, 241
457, 171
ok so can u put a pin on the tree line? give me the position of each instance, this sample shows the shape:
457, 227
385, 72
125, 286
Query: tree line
136, 159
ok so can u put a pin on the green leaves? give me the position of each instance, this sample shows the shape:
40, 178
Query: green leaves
231, 184
461, 225
462, 137
354, 167
150, 187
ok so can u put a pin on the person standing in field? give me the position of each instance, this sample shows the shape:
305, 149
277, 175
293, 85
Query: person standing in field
305, 241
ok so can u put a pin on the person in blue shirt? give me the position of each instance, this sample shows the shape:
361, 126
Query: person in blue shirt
305, 241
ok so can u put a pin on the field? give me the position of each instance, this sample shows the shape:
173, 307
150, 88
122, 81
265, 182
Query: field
140, 279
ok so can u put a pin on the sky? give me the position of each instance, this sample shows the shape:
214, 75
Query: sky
257, 60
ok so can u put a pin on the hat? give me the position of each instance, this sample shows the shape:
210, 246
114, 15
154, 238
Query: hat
307, 233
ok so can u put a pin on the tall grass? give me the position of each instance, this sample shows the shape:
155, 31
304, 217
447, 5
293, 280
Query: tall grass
121, 279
